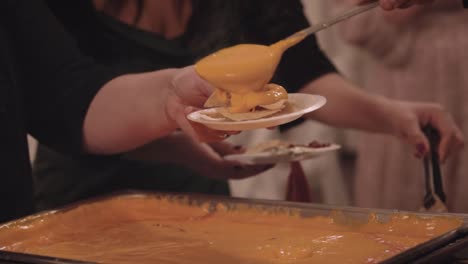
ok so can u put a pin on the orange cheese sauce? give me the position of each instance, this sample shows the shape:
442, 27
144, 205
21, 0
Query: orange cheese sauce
241, 103
243, 70
150, 230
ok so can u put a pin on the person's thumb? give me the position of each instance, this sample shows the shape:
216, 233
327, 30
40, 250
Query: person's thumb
188, 77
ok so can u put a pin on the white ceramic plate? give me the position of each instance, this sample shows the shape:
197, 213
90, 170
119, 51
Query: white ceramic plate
300, 104
297, 153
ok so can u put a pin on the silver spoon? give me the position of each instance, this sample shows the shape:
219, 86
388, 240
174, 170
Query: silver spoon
332, 21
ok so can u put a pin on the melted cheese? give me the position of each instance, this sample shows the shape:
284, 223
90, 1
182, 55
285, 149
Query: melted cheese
239, 69
150, 230
270, 94
243, 71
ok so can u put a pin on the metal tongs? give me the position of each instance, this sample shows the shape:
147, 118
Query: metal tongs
434, 200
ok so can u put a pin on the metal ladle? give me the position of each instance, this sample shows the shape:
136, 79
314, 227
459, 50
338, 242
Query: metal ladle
332, 21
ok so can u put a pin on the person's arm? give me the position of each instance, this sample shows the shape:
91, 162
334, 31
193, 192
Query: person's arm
132, 110
205, 159
393, 4
347, 106
68, 110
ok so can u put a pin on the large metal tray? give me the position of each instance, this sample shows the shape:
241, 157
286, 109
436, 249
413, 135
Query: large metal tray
438, 250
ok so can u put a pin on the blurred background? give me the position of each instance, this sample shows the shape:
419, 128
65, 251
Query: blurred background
388, 55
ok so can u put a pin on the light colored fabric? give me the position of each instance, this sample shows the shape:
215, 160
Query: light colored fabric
32, 146
419, 54
323, 173
344, 55
351, 62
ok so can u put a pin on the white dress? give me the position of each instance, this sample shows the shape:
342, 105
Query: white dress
419, 54
324, 174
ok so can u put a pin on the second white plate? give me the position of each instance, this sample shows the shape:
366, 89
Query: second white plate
297, 153
300, 104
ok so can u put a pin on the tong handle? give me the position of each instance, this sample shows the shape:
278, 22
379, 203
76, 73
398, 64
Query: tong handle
434, 138
427, 175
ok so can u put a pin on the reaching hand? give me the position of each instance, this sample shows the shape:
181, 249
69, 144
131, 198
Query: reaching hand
188, 93
217, 167
205, 159
409, 117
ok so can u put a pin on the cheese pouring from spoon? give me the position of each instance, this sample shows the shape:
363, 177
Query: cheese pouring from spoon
240, 73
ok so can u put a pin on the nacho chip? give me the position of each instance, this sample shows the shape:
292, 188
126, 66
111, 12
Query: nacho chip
275, 146
275, 106
218, 98
212, 116
246, 116
256, 114
268, 146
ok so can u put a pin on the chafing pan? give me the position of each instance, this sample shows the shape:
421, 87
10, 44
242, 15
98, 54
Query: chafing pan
440, 249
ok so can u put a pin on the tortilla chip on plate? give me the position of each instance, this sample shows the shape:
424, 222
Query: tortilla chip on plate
246, 116
268, 146
217, 99
266, 111
212, 115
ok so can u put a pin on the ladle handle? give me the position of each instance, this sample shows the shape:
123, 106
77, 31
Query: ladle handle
328, 23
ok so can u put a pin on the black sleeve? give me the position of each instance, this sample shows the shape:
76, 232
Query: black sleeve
465, 3
273, 20
80, 19
58, 82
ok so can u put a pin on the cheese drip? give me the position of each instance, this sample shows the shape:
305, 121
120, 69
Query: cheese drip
241, 74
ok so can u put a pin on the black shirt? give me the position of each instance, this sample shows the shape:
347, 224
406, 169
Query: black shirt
261, 22
215, 24
46, 86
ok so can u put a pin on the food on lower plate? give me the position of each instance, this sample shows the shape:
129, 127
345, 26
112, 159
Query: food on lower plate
147, 229
274, 146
